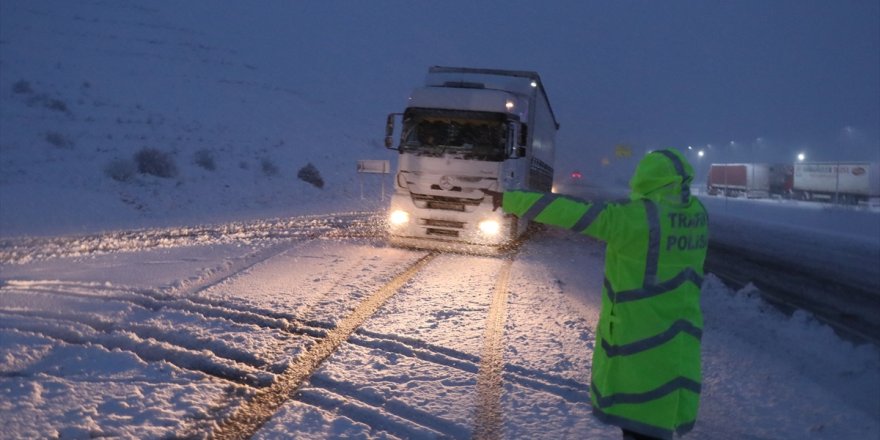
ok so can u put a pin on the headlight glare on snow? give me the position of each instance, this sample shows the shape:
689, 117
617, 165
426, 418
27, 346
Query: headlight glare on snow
490, 227
399, 217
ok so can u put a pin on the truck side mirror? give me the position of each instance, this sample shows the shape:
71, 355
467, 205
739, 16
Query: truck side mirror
389, 131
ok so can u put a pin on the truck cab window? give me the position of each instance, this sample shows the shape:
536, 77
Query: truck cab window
467, 135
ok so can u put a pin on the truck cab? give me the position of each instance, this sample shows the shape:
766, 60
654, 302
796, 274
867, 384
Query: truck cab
466, 130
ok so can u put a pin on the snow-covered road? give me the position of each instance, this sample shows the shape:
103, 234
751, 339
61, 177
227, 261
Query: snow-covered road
173, 340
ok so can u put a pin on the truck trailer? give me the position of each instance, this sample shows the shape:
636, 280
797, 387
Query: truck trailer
465, 130
752, 180
845, 182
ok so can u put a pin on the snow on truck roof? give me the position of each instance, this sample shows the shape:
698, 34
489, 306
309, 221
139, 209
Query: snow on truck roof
439, 76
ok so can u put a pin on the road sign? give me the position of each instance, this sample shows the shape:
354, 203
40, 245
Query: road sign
374, 166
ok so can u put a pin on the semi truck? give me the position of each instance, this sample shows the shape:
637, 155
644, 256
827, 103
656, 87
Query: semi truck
466, 130
844, 182
752, 180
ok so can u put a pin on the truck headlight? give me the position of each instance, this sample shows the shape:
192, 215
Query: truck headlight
399, 217
490, 227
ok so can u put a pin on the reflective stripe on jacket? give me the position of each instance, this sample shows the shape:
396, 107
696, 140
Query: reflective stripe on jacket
646, 363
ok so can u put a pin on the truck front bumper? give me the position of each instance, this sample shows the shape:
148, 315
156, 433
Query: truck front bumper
473, 228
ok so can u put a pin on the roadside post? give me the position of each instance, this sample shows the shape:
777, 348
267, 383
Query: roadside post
380, 167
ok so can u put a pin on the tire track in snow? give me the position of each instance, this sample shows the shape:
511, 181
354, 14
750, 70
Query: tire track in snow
488, 419
148, 351
373, 410
356, 410
567, 389
217, 347
183, 348
243, 314
207, 309
359, 407
232, 270
249, 417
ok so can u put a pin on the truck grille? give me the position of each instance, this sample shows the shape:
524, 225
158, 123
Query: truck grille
441, 232
444, 203
444, 223
453, 189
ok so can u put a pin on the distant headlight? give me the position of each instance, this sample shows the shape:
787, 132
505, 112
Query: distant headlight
490, 227
398, 218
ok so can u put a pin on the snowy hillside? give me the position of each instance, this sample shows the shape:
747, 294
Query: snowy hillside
87, 86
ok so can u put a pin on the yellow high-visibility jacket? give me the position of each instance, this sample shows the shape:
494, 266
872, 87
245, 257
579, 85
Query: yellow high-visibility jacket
646, 363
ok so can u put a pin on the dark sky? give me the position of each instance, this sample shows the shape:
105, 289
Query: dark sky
796, 74
756, 80
703, 72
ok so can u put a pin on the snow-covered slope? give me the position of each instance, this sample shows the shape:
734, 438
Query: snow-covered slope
86, 85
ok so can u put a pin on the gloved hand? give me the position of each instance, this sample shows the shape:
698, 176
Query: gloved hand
496, 198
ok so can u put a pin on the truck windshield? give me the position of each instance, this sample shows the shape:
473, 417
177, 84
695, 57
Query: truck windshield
469, 135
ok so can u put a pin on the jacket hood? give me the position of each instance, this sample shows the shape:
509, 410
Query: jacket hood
662, 174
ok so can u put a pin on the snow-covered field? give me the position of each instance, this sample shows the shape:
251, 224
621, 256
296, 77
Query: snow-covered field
154, 306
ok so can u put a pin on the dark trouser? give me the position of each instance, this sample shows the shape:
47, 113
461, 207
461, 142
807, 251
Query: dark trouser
630, 435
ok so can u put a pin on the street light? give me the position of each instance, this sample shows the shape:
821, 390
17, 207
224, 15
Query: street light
801, 157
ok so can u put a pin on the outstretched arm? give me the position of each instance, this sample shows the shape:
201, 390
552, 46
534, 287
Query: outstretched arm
552, 209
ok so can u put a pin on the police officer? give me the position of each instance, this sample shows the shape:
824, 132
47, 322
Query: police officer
646, 375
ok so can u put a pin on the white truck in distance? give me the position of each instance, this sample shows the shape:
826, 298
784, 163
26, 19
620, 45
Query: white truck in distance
466, 130
845, 182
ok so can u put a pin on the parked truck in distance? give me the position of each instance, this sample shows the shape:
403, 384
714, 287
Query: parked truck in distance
844, 182
839, 182
466, 130
752, 180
